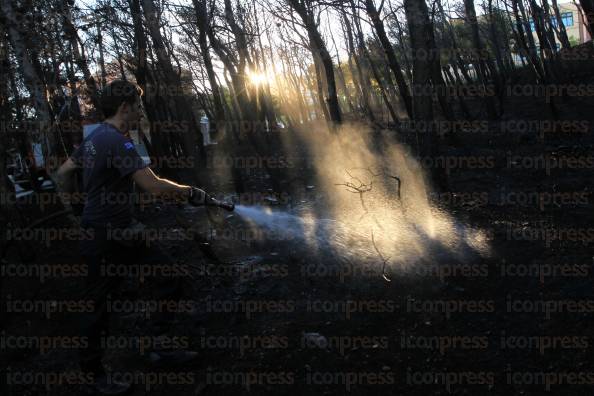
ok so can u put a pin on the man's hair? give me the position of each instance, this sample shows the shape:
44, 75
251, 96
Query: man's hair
117, 92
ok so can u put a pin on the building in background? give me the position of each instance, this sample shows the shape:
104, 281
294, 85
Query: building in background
572, 17
574, 22
575, 25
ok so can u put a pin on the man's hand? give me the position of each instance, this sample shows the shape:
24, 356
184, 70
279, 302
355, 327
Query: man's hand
198, 197
62, 179
63, 176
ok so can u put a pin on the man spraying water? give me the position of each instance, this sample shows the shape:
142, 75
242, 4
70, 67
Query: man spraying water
110, 165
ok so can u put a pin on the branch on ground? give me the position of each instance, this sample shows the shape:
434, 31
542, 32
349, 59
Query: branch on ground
381, 256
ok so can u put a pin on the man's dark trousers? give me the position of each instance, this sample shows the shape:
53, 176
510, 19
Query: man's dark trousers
102, 285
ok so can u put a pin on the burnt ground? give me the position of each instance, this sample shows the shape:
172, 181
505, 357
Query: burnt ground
479, 329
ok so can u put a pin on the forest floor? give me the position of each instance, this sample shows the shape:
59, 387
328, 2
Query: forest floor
256, 332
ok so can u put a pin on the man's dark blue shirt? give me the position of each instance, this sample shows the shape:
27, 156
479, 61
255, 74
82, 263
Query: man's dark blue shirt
108, 160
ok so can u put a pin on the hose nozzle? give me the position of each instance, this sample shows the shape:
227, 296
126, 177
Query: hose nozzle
228, 206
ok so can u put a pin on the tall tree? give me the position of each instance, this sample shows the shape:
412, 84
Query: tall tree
480, 58
561, 31
422, 109
318, 48
588, 7
378, 24
203, 27
177, 101
71, 33
19, 42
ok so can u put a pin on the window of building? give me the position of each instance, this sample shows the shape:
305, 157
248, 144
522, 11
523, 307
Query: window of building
567, 18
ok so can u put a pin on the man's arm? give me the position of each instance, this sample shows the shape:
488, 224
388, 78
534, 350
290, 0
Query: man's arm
130, 163
146, 179
63, 178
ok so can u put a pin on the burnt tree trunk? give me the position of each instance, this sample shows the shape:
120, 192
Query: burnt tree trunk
79, 56
202, 19
177, 103
562, 32
588, 7
481, 64
422, 108
319, 49
393, 63
33, 82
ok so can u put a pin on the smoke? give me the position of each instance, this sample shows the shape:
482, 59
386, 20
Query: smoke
374, 205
